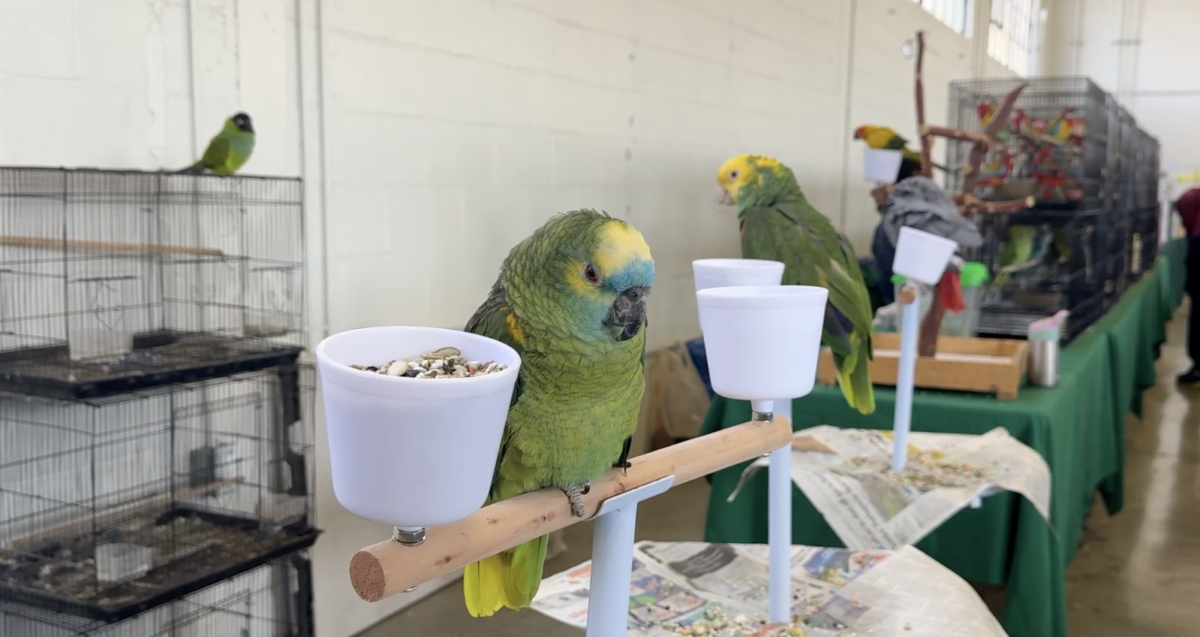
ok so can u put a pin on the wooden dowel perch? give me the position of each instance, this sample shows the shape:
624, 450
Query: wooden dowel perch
105, 246
387, 568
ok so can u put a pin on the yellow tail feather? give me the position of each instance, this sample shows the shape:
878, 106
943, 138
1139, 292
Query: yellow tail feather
507, 580
483, 586
854, 377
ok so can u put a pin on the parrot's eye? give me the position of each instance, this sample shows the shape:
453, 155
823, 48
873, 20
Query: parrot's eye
590, 273
733, 174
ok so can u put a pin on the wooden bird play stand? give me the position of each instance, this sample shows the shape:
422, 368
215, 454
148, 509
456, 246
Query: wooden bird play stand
391, 567
968, 202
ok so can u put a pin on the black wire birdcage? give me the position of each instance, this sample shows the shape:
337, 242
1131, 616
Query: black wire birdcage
1054, 147
112, 506
114, 281
273, 600
1065, 266
1144, 245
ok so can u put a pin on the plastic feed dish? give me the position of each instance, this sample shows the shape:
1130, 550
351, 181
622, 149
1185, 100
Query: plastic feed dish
412, 452
922, 256
121, 562
881, 166
720, 273
762, 342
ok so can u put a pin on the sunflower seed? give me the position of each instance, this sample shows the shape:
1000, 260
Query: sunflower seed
444, 362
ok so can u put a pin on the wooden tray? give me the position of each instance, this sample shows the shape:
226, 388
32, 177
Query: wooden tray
978, 365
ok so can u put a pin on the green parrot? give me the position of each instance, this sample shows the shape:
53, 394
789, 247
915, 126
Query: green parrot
571, 299
779, 224
228, 150
1017, 251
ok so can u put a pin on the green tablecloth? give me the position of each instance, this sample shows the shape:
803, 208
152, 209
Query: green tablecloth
1078, 427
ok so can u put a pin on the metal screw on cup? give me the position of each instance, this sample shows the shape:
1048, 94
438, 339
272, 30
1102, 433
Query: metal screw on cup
415, 537
762, 416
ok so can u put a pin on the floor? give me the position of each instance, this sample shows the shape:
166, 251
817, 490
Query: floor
1137, 573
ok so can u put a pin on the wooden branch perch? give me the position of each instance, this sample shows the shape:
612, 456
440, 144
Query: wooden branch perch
105, 246
387, 568
919, 90
958, 135
979, 150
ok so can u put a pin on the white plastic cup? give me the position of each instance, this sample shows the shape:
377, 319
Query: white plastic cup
412, 452
719, 273
922, 256
881, 166
762, 342
121, 562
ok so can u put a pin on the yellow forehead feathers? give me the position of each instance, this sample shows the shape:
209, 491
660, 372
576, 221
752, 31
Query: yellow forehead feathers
619, 245
738, 171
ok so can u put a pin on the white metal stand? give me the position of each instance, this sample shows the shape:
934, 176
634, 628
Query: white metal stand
612, 559
905, 378
779, 525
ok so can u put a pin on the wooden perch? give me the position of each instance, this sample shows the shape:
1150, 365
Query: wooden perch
387, 568
969, 204
105, 246
919, 90
958, 135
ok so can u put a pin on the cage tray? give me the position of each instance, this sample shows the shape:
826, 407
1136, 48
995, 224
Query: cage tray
57, 574
962, 364
158, 358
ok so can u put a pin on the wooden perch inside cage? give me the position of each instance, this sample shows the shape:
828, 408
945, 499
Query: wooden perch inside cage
968, 203
389, 567
105, 246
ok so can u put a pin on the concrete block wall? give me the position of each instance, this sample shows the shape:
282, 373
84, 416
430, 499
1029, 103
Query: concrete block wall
434, 135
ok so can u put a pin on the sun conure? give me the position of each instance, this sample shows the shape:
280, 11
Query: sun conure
228, 150
881, 138
571, 299
779, 224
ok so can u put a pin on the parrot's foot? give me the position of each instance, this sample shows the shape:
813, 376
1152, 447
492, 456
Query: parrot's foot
575, 494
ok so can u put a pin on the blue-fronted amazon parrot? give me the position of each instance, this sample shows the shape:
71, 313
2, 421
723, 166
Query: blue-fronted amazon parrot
228, 150
779, 224
571, 299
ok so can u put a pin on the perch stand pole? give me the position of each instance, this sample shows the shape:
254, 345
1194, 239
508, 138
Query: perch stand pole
391, 567
779, 516
910, 299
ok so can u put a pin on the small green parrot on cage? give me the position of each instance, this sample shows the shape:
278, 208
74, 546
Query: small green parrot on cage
1017, 252
228, 150
779, 224
571, 299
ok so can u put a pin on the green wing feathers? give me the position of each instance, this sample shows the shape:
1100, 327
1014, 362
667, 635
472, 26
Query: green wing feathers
509, 579
815, 254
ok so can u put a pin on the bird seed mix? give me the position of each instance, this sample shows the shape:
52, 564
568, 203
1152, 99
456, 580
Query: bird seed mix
446, 362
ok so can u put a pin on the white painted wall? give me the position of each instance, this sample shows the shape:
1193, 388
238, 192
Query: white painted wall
434, 135
1143, 51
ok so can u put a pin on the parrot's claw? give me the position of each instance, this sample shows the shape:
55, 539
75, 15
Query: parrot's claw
575, 495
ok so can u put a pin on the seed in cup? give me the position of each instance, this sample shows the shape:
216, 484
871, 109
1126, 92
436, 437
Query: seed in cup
444, 362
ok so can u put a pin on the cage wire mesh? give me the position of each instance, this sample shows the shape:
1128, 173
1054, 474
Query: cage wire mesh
1053, 148
113, 281
112, 506
269, 601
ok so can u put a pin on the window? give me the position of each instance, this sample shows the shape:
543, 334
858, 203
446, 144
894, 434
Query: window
1012, 33
953, 13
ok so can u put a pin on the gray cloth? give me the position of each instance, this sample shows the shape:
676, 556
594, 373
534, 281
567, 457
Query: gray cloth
918, 202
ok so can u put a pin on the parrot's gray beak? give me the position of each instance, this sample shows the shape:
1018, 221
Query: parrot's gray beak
628, 313
721, 196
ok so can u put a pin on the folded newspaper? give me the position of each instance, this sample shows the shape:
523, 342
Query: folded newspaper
846, 474
720, 590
